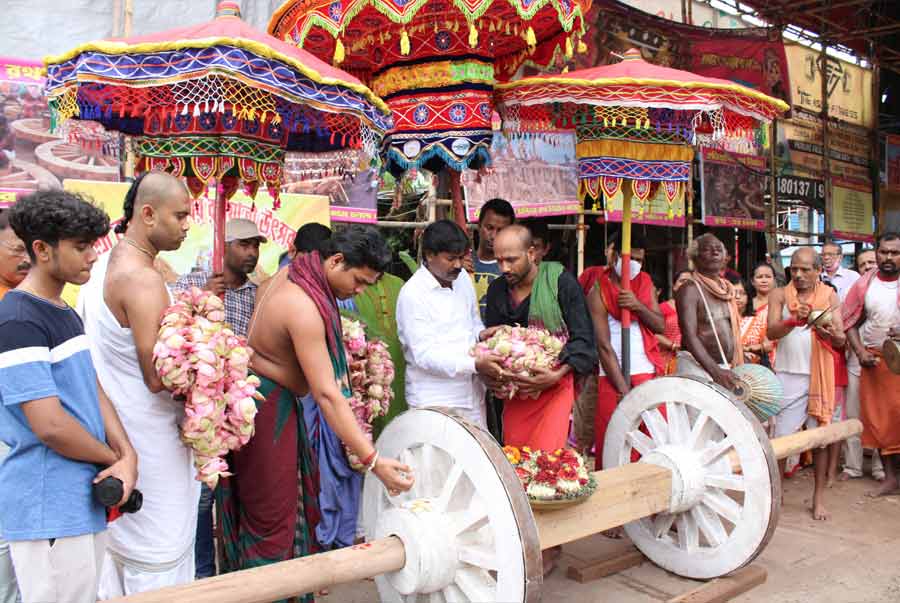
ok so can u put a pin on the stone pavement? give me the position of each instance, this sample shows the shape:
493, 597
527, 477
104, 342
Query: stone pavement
853, 558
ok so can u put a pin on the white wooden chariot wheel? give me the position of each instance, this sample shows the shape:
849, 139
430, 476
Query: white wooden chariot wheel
726, 492
468, 530
466, 524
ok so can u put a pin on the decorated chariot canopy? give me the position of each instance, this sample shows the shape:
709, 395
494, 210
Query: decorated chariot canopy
218, 100
434, 62
634, 122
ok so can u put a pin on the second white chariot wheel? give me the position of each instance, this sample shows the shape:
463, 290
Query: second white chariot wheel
726, 492
466, 525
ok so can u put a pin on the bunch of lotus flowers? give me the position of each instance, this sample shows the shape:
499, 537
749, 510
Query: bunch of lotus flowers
199, 357
522, 350
371, 376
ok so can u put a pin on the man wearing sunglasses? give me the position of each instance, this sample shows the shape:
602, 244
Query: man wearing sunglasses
14, 263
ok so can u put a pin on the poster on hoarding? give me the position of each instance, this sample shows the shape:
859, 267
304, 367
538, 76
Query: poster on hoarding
752, 57
733, 188
852, 211
278, 225
537, 174
892, 162
656, 211
800, 147
345, 177
35, 157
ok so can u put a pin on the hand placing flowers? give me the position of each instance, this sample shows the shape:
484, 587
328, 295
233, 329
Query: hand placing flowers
371, 376
524, 352
198, 356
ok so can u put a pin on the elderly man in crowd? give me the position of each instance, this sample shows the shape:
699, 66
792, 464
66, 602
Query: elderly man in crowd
14, 262
805, 360
438, 324
708, 316
872, 315
833, 272
242, 241
865, 261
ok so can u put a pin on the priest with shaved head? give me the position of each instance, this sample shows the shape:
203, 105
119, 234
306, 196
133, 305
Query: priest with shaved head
121, 306
541, 295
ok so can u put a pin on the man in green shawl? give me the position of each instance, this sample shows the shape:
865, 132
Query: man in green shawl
541, 295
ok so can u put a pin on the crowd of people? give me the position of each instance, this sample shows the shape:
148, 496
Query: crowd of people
81, 400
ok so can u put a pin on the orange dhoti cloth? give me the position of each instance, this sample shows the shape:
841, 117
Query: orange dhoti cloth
879, 397
542, 423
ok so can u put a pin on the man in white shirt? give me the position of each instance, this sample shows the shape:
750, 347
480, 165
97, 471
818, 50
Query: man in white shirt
438, 322
842, 278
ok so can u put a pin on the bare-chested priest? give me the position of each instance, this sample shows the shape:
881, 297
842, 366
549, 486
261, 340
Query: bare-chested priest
708, 316
270, 504
121, 306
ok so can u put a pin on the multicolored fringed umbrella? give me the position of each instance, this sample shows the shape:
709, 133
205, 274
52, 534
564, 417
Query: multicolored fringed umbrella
435, 62
216, 101
635, 124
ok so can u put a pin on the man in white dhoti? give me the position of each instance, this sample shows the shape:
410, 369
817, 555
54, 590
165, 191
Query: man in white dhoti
121, 306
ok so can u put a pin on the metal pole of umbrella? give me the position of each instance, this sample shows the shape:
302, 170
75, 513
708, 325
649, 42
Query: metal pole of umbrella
626, 285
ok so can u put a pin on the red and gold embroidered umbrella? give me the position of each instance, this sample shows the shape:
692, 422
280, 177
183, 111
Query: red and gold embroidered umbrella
435, 63
635, 124
218, 100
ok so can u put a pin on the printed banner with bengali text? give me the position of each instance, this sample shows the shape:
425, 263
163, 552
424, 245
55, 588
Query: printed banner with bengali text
733, 188
278, 226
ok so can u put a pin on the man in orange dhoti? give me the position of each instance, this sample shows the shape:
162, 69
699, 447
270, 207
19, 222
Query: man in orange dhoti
805, 360
546, 296
540, 295
872, 315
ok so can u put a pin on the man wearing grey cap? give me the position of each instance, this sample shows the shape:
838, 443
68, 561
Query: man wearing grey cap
242, 241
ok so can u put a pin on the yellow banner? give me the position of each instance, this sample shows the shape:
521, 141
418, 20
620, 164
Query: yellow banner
278, 225
849, 86
657, 210
852, 211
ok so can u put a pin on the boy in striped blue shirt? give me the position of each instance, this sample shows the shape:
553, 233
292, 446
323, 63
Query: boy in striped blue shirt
64, 434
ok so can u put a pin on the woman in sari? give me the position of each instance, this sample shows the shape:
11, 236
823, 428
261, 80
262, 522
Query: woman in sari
757, 349
670, 339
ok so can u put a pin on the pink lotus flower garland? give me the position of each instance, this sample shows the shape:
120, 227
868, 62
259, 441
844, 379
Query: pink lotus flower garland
371, 376
523, 350
198, 356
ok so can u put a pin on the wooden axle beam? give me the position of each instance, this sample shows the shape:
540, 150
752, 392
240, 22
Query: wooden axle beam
624, 494
630, 492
